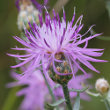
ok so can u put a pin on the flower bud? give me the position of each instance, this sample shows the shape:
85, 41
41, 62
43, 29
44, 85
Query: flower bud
102, 85
27, 14
61, 67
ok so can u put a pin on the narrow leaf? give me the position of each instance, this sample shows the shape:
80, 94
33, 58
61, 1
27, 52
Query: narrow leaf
48, 107
92, 94
78, 90
77, 102
57, 103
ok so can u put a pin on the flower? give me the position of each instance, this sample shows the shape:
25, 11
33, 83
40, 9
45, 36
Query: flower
38, 6
55, 41
75, 83
34, 93
27, 13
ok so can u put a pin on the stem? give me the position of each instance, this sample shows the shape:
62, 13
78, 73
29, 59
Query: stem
50, 90
107, 104
67, 96
77, 102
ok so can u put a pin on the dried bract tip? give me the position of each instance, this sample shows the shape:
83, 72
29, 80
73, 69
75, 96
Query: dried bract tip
58, 69
65, 63
58, 56
102, 85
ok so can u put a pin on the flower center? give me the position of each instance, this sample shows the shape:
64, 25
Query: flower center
61, 67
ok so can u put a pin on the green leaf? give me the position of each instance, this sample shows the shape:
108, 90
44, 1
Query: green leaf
55, 104
92, 94
48, 107
77, 102
78, 90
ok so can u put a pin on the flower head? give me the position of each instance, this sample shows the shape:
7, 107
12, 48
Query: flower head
34, 95
27, 13
55, 41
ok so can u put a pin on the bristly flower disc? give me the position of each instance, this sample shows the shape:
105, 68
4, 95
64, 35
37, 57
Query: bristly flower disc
54, 38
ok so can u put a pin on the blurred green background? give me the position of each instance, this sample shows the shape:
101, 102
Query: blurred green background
94, 11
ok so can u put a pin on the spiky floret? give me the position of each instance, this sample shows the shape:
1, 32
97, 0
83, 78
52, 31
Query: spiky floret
55, 41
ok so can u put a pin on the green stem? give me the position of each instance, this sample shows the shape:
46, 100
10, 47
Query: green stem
67, 96
107, 104
50, 90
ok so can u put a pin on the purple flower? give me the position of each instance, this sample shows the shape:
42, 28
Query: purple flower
36, 88
35, 92
38, 6
54, 41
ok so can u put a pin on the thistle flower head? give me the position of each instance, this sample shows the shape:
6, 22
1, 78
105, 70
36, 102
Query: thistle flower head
27, 13
34, 95
56, 41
